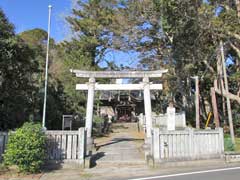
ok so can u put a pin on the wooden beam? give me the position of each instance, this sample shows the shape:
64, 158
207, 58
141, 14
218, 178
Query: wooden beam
215, 108
113, 87
226, 94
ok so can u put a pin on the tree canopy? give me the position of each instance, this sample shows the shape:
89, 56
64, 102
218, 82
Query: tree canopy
182, 36
16, 69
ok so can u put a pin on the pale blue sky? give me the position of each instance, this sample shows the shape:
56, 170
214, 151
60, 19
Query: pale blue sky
29, 14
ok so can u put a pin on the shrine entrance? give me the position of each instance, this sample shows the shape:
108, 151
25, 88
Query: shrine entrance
145, 85
125, 112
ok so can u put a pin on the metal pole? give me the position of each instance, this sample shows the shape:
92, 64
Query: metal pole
230, 120
46, 69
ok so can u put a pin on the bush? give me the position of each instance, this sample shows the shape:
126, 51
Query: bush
228, 145
98, 122
237, 132
26, 148
98, 119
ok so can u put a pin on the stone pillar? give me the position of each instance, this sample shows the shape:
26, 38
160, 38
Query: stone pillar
171, 117
89, 110
197, 107
81, 145
156, 144
147, 106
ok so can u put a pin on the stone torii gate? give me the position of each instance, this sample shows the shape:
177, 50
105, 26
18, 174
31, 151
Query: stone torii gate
92, 86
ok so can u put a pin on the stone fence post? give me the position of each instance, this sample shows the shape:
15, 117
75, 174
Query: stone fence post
191, 143
81, 145
156, 144
221, 139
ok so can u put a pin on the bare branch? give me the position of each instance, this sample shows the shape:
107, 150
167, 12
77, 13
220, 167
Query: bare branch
224, 93
235, 49
170, 38
236, 36
226, 7
209, 66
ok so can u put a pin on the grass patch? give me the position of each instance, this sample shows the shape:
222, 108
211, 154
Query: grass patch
3, 168
86, 175
237, 147
7, 172
228, 146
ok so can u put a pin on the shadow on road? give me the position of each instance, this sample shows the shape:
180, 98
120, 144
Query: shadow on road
117, 140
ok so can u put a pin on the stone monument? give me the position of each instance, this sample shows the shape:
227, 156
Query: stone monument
171, 119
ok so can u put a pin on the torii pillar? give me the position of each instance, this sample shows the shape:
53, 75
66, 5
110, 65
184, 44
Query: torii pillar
90, 103
147, 106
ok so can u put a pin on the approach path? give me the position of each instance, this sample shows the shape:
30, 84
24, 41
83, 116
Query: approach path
122, 146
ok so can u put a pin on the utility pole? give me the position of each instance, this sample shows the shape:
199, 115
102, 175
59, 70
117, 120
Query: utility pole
227, 91
197, 109
46, 69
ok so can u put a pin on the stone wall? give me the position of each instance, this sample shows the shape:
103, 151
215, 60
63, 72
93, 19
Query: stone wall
186, 145
161, 120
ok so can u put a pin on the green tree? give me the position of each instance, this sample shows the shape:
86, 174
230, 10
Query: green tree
16, 68
91, 24
184, 37
56, 100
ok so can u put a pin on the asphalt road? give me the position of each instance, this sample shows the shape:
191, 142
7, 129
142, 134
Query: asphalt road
216, 174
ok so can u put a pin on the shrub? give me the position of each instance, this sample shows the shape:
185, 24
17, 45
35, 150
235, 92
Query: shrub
26, 148
98, 119
237, 132
228, 145
97, 126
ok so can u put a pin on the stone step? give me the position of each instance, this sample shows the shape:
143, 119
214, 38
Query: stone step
106, 163
119, 148
122, 156
125, 126
123, 153
120, 151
